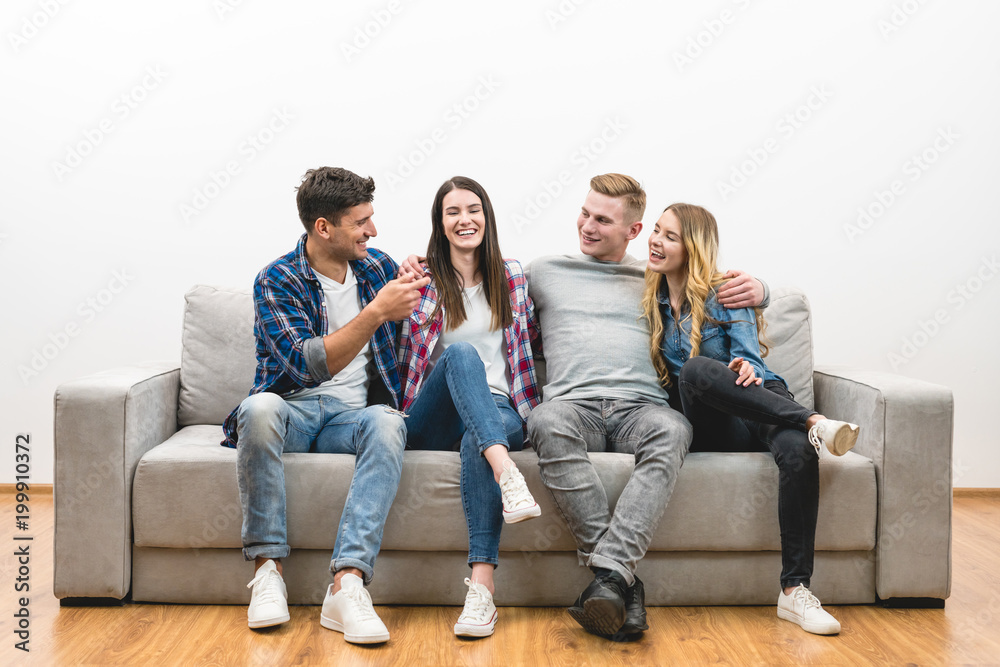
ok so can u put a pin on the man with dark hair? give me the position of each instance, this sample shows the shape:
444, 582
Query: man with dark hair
602, 396
326, 381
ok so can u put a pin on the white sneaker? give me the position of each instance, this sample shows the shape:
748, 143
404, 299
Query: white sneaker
802, 608
350, 611
479, 615
837, 437
269, 599
518, 504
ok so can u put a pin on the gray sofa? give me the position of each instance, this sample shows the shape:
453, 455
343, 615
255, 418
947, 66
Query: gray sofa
146, 501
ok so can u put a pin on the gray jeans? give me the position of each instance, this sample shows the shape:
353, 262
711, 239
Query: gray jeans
563, 431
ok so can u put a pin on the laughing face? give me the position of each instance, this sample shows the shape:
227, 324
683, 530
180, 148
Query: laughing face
464, 221
667, 254
349, 239
602, 229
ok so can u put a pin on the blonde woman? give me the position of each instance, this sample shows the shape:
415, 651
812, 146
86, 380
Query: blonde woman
710, 357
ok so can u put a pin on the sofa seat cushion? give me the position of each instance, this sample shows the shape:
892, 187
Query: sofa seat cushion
185, 495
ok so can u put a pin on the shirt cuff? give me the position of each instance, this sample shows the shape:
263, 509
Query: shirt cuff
315, 355
766, 301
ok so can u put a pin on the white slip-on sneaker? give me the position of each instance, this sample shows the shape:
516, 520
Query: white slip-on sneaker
268, 599
518, 503
804, 609
837, 437
350, 611
479, 615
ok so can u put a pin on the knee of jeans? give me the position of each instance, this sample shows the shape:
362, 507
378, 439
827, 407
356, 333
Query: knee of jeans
793, 452
385, 426
697, 368
261, 410
461, 352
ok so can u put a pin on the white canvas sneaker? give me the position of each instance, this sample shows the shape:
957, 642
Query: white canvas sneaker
479, 615
518, 503
350, 611
803, 609
269, 599
837, 437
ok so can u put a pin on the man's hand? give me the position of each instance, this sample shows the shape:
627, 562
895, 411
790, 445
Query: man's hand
745, 370
411, 266
399, 297
742, 290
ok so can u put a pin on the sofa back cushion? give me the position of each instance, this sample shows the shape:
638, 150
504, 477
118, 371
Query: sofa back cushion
218, 358
789, 329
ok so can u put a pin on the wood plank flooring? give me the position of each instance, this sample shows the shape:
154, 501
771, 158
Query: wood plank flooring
967, 631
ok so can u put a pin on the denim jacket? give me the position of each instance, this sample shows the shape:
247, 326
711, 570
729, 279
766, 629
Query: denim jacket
735, 336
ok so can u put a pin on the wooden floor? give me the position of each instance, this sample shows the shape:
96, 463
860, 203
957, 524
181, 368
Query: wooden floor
967, 631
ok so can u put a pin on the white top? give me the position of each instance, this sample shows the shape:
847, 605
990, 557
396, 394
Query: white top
488, 343
343, 304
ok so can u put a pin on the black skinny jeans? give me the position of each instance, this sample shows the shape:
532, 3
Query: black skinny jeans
730, 418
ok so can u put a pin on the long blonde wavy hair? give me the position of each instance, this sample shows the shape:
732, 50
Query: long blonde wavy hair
700, 235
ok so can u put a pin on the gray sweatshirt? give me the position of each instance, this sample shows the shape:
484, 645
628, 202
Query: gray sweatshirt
594, 340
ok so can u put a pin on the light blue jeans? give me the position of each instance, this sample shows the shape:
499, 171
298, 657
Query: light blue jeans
455, 404
269, 425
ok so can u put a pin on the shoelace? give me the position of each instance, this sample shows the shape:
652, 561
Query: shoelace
814, 438
361, 601
804, 595
514, 489
475, 603
270, 590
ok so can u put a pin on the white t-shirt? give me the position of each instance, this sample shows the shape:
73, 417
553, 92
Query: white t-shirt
488, 343
343, 304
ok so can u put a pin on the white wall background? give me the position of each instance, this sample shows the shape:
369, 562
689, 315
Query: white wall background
97, 253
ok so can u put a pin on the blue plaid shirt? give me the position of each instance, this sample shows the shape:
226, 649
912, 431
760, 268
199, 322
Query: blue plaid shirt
290, 309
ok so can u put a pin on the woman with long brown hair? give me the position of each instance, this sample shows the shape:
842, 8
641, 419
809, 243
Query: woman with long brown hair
710, 358
469, 377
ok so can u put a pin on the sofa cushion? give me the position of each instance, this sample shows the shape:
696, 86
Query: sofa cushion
218, 359
789, 329
185, 495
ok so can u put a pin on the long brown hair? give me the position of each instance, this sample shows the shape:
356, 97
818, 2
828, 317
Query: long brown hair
491, 266
700, 235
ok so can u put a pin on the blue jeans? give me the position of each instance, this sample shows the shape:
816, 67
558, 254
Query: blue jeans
269, 425
455, 404
564, 431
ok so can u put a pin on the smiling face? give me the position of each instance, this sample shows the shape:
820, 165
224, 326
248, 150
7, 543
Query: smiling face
349, 239
602, 229
667, 254
463, 220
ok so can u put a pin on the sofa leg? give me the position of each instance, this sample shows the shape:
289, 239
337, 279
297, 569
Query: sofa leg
912, 603
95, 602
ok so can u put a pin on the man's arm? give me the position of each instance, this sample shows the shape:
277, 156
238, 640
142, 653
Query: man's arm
743, 291
395, 301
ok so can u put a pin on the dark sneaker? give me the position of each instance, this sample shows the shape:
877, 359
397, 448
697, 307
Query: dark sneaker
600, 609
635, 610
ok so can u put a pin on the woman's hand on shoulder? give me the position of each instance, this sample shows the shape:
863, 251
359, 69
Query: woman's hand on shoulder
746, 372
411, 266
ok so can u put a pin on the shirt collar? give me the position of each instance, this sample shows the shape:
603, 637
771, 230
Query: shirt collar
358, 266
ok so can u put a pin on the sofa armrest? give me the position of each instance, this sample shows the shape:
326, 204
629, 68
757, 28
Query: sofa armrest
104, 423
906, 429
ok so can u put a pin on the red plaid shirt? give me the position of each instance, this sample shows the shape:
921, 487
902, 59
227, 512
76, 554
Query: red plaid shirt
417, 340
